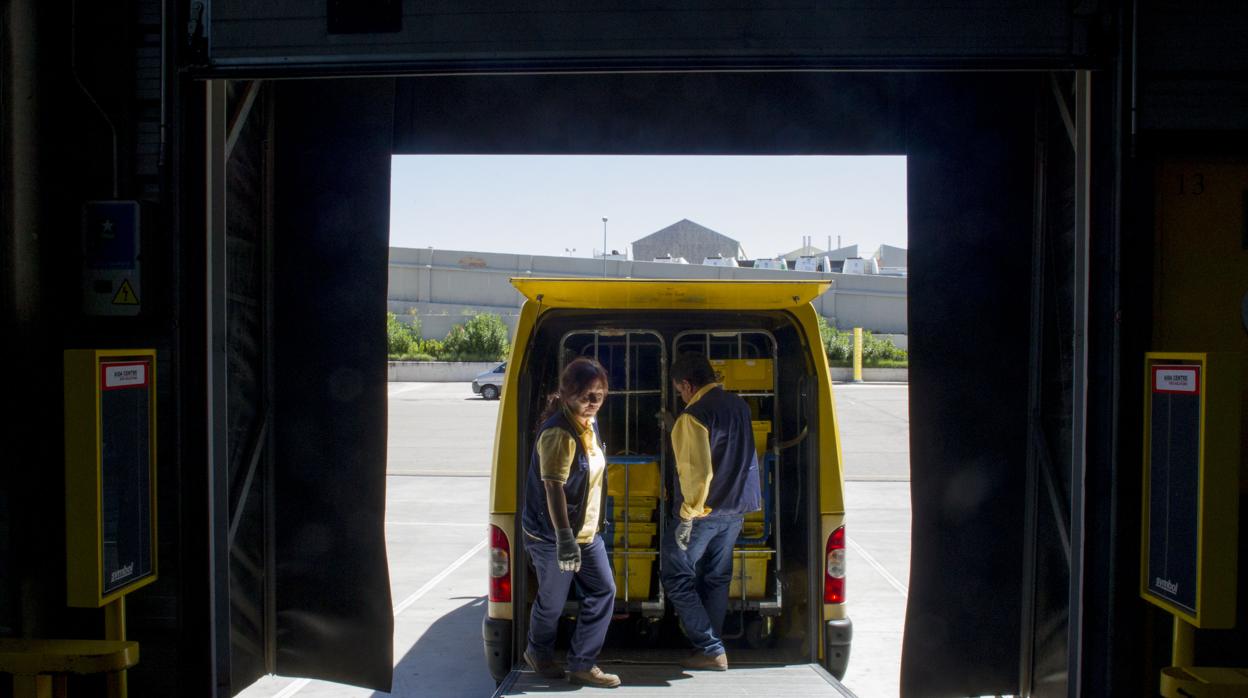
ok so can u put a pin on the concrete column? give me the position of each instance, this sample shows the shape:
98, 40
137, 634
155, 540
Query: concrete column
21, 265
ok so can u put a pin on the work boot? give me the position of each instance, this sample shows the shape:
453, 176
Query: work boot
545, 668
698, 660
593, 677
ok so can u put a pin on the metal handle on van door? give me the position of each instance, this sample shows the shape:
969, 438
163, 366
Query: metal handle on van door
801, 413
801, 436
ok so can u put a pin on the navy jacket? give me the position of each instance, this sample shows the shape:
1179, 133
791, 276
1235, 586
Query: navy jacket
536, 519
735, 485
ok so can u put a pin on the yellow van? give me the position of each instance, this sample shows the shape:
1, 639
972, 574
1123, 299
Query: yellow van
787, 599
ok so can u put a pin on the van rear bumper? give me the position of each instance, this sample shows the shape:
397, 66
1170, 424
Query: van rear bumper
497, 635
837, 636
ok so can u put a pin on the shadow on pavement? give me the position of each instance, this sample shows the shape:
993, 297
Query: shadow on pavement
448, 659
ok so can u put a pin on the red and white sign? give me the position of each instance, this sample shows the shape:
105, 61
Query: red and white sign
1176, 379
128, 374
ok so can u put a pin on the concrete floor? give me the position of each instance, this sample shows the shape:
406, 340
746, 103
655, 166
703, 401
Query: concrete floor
440, 445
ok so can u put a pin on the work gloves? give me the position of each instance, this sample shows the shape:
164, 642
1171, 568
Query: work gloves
667, 420
684, 529
568, 550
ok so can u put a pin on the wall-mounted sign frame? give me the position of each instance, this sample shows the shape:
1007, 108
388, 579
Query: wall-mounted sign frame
1188, 556
110, 473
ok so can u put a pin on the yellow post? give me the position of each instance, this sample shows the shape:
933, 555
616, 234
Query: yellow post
857, 354
1182, 652
32, 686
115, 629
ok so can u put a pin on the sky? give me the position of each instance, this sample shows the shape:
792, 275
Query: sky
554, 204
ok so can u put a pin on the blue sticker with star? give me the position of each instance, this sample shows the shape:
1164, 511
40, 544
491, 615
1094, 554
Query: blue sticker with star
110, 234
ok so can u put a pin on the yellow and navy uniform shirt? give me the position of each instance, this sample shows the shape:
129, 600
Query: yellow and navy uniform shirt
556, 449
716, 463
692, 444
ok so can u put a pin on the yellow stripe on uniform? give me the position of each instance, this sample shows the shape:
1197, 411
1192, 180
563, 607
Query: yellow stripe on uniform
555, 451
692, 444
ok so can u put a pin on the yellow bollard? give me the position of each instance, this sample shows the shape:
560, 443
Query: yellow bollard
1182, 651
115, 629
857, 354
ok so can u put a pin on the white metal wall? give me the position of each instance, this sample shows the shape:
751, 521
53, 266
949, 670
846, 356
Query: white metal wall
441, 286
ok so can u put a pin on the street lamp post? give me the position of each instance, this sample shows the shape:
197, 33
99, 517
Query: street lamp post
604, 247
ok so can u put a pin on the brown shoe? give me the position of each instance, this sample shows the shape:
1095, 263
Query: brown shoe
593, 677
545, 668
699, 661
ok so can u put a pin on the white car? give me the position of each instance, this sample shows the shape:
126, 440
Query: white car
489, 384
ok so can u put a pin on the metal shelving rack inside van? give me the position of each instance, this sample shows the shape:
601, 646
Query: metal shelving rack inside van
744, 344
634, 358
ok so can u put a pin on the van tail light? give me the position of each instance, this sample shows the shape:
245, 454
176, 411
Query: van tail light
834, 568
500, 565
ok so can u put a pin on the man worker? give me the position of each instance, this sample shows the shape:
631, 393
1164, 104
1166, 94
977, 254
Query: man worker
718, 483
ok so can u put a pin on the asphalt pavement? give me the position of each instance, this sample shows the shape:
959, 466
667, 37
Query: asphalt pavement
440, 445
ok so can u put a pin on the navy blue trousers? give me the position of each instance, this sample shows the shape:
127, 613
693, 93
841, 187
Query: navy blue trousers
597, 588
697, 579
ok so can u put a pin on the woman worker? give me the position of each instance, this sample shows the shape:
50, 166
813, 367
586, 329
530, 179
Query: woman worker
563, 507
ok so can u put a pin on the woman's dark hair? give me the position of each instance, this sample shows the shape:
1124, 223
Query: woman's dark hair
693, 368
578, 377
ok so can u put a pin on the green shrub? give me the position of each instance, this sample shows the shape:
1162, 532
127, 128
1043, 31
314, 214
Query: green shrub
401, 338
838, 345
876, 351
482, 338
431, 347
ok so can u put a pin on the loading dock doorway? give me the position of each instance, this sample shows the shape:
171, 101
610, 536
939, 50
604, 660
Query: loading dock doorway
494, 217
970, 140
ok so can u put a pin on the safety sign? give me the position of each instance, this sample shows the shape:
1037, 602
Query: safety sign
111, 257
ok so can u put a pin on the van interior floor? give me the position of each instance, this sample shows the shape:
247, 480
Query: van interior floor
624, 645
736, 656
655, 679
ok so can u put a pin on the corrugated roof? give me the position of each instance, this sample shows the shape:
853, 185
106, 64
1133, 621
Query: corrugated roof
684, 231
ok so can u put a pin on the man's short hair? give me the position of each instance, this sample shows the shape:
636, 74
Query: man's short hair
693, 368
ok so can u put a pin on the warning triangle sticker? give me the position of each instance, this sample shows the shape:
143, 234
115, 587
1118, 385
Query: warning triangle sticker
125, 295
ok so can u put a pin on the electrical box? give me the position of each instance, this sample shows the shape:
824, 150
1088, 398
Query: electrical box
111, 258
110, 473
1192, 404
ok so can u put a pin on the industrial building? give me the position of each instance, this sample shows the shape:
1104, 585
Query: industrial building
439, 287
687, 239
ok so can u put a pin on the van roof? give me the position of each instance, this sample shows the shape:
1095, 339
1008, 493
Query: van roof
701, 294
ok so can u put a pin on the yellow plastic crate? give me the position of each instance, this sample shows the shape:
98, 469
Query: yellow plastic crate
638, 565
753, 529
640, 535
643, 479
754, 574
640, 509
761, 429
744, 374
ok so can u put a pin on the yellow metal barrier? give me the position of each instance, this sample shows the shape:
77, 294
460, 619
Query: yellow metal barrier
1203, 682
40, 666
857, 354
